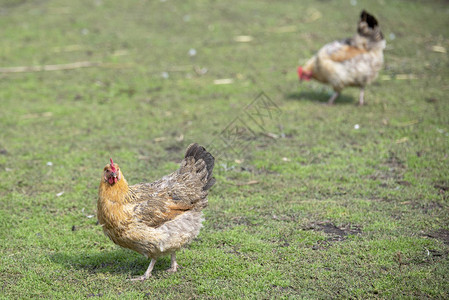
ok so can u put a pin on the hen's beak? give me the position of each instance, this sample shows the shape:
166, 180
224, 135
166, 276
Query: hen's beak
113, 174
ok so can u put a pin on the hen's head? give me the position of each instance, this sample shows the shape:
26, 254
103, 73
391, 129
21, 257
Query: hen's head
112, 173
303, 74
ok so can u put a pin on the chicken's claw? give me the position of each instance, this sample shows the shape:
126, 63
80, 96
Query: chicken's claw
140, 278
147, 272
174, 265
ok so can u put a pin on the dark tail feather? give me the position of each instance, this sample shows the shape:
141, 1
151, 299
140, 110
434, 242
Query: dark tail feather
209, 184
198, 152
369, 19
368, 27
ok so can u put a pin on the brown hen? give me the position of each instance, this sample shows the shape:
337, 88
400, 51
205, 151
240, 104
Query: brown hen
353, 61
156, 218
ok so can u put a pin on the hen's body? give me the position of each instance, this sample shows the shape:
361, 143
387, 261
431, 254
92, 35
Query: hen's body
354, 61
157, 218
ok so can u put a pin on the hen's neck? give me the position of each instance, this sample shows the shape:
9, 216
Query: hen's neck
115, 193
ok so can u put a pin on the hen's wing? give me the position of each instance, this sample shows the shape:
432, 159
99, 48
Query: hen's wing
339, 51
184, 190
153, 205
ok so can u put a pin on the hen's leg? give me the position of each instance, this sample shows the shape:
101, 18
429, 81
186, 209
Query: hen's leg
333, 97
361, 97
174, 265
147, 272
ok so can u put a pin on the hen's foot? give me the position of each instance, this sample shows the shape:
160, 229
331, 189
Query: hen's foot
332, 98
174, 268
147, 272
140, 278
174, 265
362, 97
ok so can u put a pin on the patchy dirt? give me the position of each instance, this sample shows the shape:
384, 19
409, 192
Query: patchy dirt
435, 255
443, 188
403, 182
394, 161
283, 243
427, 208
334, 233
396, 169
440, 234
94, 295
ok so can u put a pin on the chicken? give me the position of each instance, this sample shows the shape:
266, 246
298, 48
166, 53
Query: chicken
353, 61
158, 218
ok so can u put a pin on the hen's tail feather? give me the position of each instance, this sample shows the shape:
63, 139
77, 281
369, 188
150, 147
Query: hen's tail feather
369, 19
209, 184
198, 152
369, 27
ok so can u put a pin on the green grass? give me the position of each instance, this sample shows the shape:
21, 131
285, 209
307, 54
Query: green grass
329, 211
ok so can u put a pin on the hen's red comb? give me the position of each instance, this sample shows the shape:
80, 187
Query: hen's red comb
112, 166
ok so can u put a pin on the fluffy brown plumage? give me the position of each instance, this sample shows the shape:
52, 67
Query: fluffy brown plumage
156, 218
354, 61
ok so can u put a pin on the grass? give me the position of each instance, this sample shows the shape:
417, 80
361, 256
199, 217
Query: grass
311, 208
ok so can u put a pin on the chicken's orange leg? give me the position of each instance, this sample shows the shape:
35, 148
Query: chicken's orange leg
333, 97
361, 97
147, 272
174, 265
